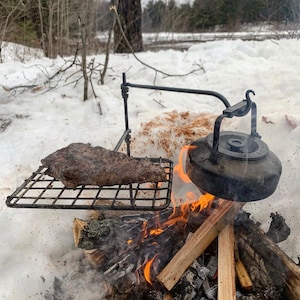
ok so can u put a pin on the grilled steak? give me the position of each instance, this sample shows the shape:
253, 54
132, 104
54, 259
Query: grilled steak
80, 164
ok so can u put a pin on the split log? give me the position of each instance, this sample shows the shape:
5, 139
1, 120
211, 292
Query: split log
241, 271
283, 271
198, 242
226, 263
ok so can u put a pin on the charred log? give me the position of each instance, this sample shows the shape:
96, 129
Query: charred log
279, 230
266, 262
123, 245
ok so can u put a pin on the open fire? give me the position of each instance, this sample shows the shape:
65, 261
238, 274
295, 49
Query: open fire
173, 252
156, 232
189, 250
192, 204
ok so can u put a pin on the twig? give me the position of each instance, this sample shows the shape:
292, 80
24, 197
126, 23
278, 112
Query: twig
91, 82
158, 102
9, 89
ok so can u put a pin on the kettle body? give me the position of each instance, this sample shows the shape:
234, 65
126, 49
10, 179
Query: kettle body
242, 169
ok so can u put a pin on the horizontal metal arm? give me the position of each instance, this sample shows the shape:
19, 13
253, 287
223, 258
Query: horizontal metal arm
177, 90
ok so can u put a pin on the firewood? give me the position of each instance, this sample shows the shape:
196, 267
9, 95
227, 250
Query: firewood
255, 267
95, 257
78, 226
226, 263
242, 275
241, 272
284, 272
197, 243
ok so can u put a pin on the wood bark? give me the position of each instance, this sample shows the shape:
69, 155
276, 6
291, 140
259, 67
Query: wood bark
130, 15
283, 271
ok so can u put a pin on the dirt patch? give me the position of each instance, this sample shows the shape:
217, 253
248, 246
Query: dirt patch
166, 134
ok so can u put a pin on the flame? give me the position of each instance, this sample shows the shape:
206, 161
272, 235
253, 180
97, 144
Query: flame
190, 204
179, 169
147, 269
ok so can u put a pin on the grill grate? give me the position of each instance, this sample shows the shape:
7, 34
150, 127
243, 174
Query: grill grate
43, 191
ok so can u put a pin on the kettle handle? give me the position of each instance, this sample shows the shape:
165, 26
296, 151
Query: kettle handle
238, 110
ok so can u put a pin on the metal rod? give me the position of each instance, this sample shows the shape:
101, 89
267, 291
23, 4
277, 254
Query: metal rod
254, 121
213, 154
179, 90
124, 89
123, 138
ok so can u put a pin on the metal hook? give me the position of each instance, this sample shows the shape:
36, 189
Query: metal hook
248, 104
249, 101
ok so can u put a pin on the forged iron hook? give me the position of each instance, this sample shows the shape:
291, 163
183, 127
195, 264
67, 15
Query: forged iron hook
248, 92
249, 102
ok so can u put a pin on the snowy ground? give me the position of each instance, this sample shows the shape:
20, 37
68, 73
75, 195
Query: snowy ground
37, 245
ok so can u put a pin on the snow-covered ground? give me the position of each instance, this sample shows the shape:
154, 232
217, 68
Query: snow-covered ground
259, 32
37, 245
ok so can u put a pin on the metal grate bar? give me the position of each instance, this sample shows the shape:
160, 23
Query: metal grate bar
43, 191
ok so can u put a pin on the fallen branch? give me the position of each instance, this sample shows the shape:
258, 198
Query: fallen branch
35, 86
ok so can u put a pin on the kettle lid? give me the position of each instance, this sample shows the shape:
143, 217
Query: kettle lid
238, 145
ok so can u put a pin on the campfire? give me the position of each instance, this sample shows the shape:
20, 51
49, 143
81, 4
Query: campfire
158, 232
202, 247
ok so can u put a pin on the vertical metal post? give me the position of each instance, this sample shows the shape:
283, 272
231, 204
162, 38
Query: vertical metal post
254, 121
124, 89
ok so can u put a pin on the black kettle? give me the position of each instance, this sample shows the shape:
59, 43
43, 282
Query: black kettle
234, 165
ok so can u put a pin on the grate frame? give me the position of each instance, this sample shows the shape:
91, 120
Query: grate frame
42, 191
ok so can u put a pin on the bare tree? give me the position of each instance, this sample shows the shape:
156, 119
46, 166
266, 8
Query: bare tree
83, 56
11, 11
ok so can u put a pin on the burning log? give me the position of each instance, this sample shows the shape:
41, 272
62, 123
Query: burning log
282, 271
131, 250
198, 242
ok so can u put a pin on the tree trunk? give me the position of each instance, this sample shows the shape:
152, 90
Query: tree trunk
42, 26
130, 15
83, 56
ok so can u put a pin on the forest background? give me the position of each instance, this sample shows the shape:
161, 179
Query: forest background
54, 25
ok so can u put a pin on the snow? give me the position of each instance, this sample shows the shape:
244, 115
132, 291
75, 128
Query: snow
37, 245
